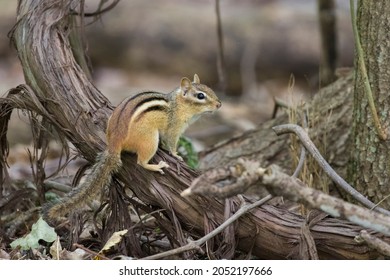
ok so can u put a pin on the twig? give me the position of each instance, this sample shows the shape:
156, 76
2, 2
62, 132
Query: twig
226, 181
52, 185
311, 148
373, 242
281, 184
195, 245
302, 156
90, 251
362, 67
99, 11
17, 221
301, 161
220, 51
279, 103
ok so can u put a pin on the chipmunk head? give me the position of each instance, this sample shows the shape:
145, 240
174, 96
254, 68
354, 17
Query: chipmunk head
198, 97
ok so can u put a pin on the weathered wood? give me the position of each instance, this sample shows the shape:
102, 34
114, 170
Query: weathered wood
63, 94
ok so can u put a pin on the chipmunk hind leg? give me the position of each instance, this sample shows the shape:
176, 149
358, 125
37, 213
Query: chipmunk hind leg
147, 148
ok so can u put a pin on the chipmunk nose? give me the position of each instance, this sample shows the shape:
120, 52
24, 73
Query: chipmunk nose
219, 104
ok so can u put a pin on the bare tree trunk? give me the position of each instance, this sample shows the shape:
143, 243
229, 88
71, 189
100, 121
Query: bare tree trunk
63, 96
327, 22
369, 166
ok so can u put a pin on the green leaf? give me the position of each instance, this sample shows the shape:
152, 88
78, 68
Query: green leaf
187, 151
39, 231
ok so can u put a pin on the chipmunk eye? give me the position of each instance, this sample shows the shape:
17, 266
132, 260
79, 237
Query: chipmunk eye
200, 95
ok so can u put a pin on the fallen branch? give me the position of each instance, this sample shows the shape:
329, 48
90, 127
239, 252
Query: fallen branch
302, 156
281, 184
311, 148
373, 242
225, 182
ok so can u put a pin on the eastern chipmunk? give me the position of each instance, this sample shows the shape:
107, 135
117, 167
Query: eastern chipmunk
136, 125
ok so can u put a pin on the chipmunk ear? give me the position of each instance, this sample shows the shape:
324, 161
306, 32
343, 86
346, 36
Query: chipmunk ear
196, 79
185, 85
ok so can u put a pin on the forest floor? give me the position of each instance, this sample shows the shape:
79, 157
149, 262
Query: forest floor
152, 57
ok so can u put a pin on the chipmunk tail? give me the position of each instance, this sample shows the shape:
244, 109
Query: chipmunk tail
100, 176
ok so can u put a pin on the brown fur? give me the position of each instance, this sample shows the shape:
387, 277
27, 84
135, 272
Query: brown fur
137, 125
99, 177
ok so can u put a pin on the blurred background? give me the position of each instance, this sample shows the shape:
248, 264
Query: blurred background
149, 45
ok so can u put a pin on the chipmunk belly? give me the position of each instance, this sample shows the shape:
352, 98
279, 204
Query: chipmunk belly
145, 129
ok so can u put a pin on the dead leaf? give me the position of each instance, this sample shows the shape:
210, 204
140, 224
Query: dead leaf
114, 240
4, 255
55, 249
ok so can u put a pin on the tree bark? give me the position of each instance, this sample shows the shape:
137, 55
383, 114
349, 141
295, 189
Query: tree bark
63, 96
369, 165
